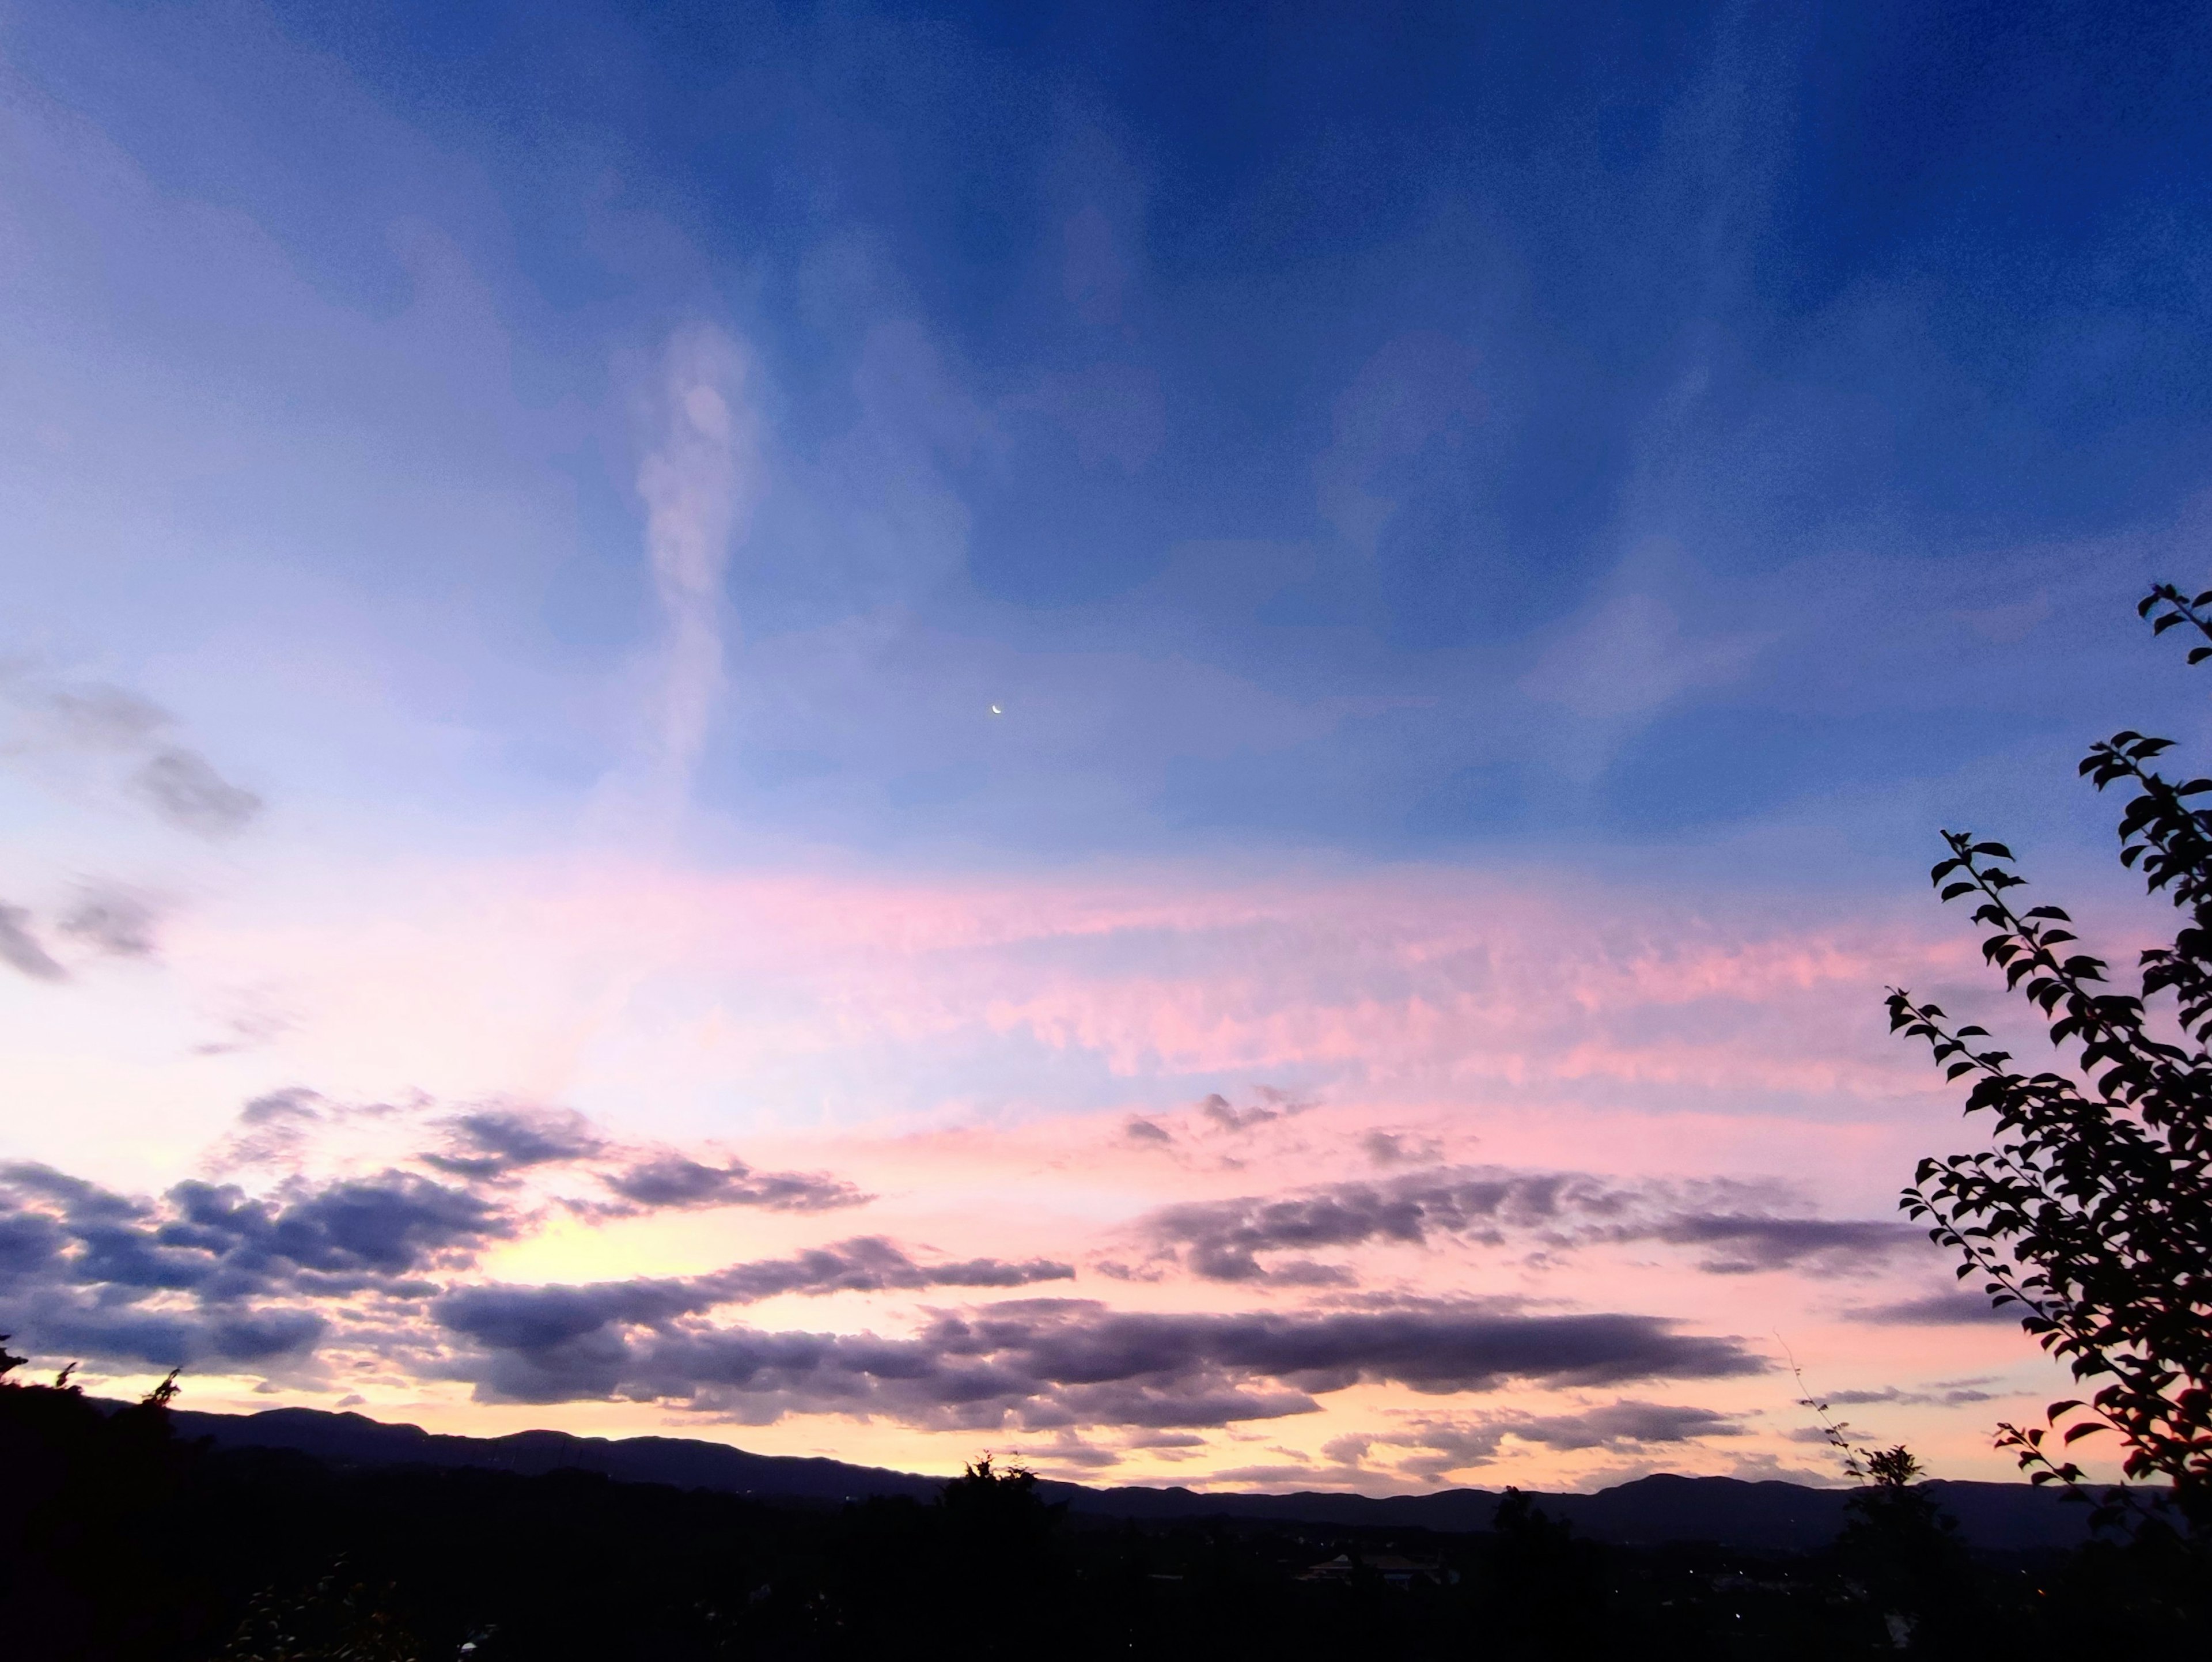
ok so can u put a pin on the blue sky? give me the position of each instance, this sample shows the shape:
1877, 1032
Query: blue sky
1256, 410
752, 571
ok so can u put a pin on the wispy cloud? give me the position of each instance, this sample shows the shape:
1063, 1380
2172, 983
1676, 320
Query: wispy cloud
56, 716
701, 479
1429, 1447
21, 950
183, 787
113, 921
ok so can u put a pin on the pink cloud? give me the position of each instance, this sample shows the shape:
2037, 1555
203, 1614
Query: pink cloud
971, 1053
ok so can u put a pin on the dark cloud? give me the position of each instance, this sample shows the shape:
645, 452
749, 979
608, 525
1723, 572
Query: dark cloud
1626, 1423
544, 1343
1744, 1243
211, 1269
1274, 1105
207, 1271
494, 1142
78, 1202
1224, 1241
534, 1320
1042, 1364
1220, 1239
392, 1224
29, 1243
1143, 1130
540, 1317
872, 1264
292, 1105
1944, 1309
183, 787
1219, 1109
273, 1129
671, 1180
19, 949
113, 921
132, 1334
1395, 1148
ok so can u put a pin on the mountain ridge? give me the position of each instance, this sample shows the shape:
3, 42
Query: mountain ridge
1742, 1513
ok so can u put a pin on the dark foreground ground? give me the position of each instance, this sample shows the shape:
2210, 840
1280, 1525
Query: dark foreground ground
122, 1539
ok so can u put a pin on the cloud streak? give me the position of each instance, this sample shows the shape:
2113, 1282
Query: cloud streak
700, 482
1225, 1240
1048, 1364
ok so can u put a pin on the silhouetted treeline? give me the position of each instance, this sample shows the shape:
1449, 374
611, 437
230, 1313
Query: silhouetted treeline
121, 1541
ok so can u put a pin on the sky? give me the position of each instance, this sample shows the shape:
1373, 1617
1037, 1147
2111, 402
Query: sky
1190, 742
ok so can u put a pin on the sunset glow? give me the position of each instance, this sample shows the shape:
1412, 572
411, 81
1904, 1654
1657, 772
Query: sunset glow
874, 734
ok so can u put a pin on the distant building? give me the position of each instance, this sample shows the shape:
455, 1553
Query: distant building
1395, 1571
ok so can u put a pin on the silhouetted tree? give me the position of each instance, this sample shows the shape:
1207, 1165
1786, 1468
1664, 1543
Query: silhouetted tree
2092, 1213
998, 1507
91, 1494
999, 1532
1905, 1549
1547, 1594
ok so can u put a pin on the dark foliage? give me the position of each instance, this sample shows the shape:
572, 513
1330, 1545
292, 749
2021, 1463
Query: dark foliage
123, 1544
86, 1498
2091, 1212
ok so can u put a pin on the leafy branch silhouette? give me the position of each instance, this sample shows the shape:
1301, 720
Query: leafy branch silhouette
2091, 1211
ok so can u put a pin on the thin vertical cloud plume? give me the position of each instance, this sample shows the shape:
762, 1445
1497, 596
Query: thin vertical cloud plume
700, 480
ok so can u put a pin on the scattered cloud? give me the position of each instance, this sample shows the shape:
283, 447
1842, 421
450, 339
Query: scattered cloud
112, 922
1397, 1149
246, 1029
669, 1180
1743, 1243
1224, 1240
178, 783
1944, 1309
215, 1270
1275, 1104
494, 1142
1430, 1448
1950, 1393
20, 948
272, 1129
183, 787
96, 716
208, 1272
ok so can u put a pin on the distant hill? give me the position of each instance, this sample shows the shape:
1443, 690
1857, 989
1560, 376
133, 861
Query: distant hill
1783, 1516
